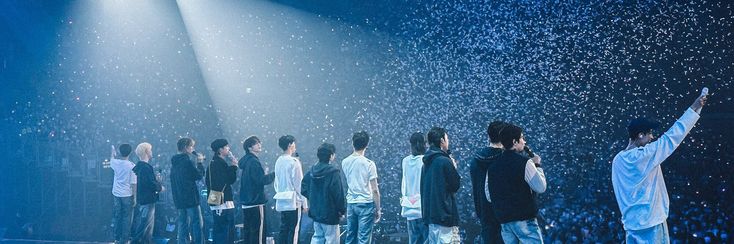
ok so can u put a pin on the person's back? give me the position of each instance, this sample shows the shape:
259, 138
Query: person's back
439, 183
184, 176
363, 193
358, 171
123, 186
410, 187
637, 178
511, 181
288, 174
512, 198
478, 167
325, 194
123, 178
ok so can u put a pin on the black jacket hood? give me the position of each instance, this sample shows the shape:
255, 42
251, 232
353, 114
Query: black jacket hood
321, 170
488, 153
432, 153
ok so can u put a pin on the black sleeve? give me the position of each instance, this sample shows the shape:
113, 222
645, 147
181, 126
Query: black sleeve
453, 180
230, 175
153, 181
256, 172
305, 184
194, 172
475, 184
341, 200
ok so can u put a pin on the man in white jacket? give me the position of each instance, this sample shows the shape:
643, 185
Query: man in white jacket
410, 188
638, 179
288, 198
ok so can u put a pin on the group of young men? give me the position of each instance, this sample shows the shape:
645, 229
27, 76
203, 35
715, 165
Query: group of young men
505, 176
135, 185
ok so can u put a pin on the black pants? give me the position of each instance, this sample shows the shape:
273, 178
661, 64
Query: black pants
491, 230
223, 226
254, 225
289, 221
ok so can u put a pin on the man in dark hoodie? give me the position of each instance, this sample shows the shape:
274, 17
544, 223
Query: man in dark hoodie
184, 175
149, 186
439, 183
511, 181
322, 186
252, 191
491, 228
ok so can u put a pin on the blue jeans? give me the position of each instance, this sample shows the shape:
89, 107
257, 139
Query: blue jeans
417, 231
360, 220
523, 231
146, 222
189, 222
325, 234
443, 234
122, 211
655, 234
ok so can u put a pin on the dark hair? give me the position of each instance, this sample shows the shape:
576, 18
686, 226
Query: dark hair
360, 140
285, 141
125, 150
183, 143
493, 130
509, 134
249, 142
435, 135
325, 151
219, 144
417, 144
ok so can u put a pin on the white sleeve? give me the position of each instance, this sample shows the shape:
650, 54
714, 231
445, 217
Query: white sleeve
535, 177
133, 176
298, 173
373, 171
656, 152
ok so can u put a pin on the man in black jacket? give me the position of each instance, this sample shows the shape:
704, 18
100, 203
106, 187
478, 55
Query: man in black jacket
511, 181
184, 176
322, 186
149, 186
252, 191
219, 177
491, 229
439, 183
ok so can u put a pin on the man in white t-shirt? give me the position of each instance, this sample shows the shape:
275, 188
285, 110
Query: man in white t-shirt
123, 189
363, 194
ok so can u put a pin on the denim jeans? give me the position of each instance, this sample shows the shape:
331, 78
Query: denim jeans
253, 231
190, 224
325, 234
122, 211
655, 234
417, 231
289, 226
523, 231
146, 222
360, 220
443, 234
223, 226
